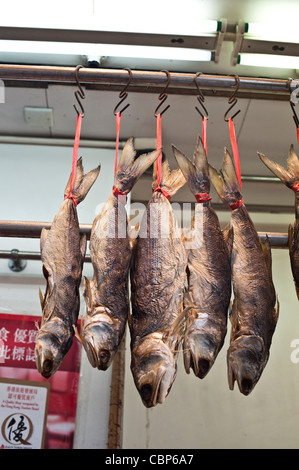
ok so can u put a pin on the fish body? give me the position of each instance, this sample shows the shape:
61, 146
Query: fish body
290, 177
157, 286
106, 294
254, 313
62, 254
209, 271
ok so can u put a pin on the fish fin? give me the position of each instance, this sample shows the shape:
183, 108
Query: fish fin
50, 303
83, 244
41, 298
228, 236
266, 247
226, 182
196, 173
290, 236
130, 169
43, 237
87, 293
77, 334
289, 176
276, 311
171, 181
82, 183
233, 316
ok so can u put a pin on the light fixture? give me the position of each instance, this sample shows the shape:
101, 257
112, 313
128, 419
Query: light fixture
106, 50
282, 32
269, 60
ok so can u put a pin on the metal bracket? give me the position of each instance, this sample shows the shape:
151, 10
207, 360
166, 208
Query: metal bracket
220, 39
240, 31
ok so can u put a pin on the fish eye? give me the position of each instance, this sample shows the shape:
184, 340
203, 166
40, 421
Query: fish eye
104, 356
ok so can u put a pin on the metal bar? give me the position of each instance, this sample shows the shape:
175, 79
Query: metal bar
178, 81
28, 255
33, 229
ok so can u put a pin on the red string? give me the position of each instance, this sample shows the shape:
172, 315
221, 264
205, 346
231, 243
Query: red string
159, 159
159, 145
237, 204
75, 157
204, 133
235, 149
295, 188
202, 197
118, 121
122, 197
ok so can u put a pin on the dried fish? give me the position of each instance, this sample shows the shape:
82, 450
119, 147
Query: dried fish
62, 253
106, 294
209, 271
157, 286
254, 314
290, 177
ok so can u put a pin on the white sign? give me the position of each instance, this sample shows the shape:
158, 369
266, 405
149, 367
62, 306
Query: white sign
23, 413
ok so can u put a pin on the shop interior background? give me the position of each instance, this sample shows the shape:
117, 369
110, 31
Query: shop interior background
35, 164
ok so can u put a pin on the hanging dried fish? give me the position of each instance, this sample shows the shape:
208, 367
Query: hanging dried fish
209, 272
106, 295
62, 255
290, 177
157, 286
253, 316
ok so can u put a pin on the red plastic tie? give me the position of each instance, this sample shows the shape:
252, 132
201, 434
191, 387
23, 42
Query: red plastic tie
235, 149
122, 197
237, 204
75, 157
204, 132
295, 188
202, 197
159, 146
165, 193
118, 121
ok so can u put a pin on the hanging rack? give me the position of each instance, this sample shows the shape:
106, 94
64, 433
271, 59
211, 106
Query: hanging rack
200, 98
79, 93
123, 95
181, 83
163, 96
232, 100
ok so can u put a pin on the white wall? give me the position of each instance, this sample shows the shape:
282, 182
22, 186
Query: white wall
205, 414
32, 182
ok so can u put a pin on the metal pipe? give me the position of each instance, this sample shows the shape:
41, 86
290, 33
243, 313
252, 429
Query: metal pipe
178, 81
20, 229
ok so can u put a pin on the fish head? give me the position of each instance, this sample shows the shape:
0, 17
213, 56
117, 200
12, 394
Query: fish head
201, 346
154, 369
51, 348
101, 335
246, 359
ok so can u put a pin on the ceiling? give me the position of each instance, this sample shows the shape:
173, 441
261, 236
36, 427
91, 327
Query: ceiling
264, 125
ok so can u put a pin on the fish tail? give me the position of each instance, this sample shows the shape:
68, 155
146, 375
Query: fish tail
290, 175
82, 183
226, 182
196, 173
171, 181
129, 168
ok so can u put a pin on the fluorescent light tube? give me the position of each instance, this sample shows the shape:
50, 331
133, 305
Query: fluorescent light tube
283, 32
269, 60
105, 50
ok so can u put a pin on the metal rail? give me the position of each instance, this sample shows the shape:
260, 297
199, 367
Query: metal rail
20, 229
141, 80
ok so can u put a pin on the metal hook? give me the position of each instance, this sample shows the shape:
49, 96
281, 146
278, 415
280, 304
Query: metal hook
292, 104
79, 92
200, 98
163, 95
123, 95
232, 99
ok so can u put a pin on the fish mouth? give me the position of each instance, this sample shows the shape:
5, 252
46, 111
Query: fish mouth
153, 389
47, 355
199, 353
245, 364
